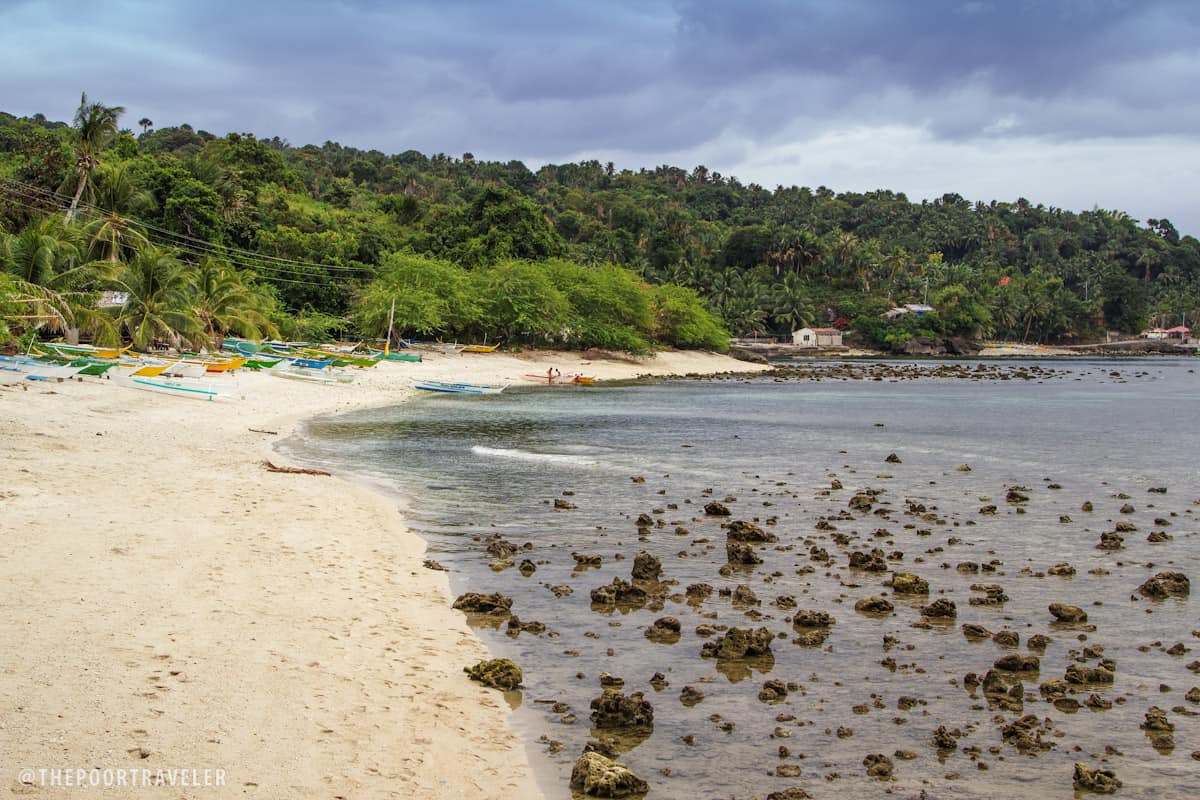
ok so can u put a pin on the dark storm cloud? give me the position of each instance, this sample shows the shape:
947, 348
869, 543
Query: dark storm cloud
1019, 53
642, 81
626, 73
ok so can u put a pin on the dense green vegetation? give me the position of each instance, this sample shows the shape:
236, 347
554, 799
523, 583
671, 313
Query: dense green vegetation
212, 235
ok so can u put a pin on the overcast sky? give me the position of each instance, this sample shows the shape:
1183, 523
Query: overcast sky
1071, 103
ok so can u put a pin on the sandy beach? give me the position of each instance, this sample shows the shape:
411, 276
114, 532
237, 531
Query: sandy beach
169, 604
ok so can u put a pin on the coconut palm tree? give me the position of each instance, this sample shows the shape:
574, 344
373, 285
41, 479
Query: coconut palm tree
95, 125
146, 123
159, 300
25, 306
41, 253
791, 306
113, 234
225, 303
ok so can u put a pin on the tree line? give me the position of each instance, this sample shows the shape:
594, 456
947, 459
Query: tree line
236, 234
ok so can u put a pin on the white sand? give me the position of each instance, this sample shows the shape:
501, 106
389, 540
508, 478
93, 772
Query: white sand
165, 602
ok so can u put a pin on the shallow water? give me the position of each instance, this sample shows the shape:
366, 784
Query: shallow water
473, 467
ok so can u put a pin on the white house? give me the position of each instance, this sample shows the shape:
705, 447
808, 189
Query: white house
920, 309
109, 299
817, 337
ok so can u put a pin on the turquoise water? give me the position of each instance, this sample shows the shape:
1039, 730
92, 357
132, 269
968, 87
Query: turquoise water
467, 468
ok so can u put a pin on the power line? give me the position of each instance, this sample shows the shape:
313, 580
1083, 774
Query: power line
195, 247
209, 247
253, 267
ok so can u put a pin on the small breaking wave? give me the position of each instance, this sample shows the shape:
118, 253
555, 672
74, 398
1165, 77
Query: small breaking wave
526, 455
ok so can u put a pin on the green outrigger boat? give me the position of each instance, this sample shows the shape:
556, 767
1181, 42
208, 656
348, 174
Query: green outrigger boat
379, 354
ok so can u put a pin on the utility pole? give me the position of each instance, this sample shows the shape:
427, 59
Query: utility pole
387, 345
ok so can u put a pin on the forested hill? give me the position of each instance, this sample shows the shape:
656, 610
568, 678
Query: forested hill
324, 232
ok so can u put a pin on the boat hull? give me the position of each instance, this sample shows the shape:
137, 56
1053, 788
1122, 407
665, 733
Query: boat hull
457, 388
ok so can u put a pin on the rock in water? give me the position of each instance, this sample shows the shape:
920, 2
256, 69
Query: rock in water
940, 609
665, 630
612, 709
812, 619
1018, 663
973, 631
744, 597
646, 567
1101, 781
738, 643
879, 766
597, 776
1166, 584
1066, 613
870, 562
741, 553
944, 739
873, 605
715, 509
907, 583
739, 531
483, 603
1080, 674
861, 502
618, 592
773, 691
499, 673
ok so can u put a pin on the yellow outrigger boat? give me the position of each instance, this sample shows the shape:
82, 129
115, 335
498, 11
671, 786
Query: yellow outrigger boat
481, 348
147, 370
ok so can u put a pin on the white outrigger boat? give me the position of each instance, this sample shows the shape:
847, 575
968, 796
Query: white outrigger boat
299, 372
179, 387
37, 370
458, 388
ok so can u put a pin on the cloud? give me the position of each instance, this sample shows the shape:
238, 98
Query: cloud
651, 80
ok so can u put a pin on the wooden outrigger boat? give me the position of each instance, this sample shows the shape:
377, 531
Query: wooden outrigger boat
458, 388
340, 359
186, 369
172, 386
481, 348
88, 365
258, 362
85, 350
142, 369
382, 356
38, 370
300, 372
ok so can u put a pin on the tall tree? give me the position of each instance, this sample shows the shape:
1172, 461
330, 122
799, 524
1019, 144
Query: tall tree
158, 304
113, 234
791, 307
226, 303
95, 125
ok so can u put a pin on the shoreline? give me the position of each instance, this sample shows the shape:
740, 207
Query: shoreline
178, 606
1117, 351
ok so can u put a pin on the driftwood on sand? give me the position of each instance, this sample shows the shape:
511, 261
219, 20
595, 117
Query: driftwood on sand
293, 470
